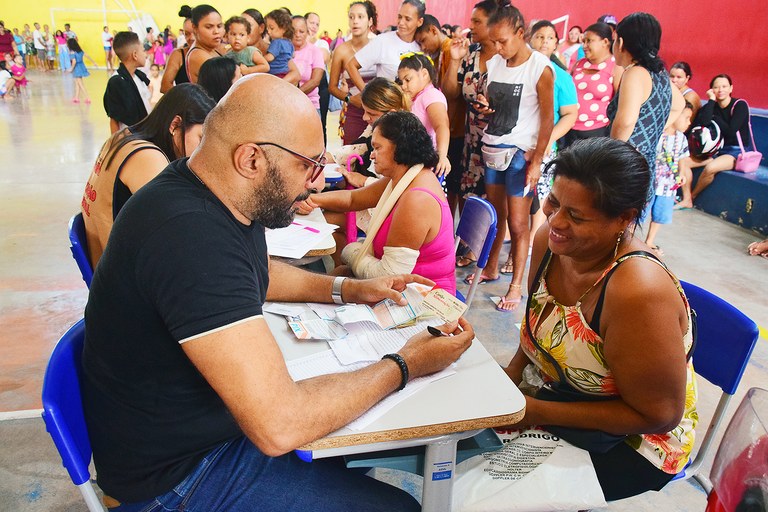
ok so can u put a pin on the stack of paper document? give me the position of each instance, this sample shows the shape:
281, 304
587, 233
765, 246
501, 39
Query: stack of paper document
297, 239
325, 362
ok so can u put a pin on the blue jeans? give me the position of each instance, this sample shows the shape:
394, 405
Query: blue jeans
513, 178
236, 476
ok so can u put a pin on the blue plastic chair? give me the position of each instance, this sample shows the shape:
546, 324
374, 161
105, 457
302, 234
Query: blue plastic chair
725, 340
477, 229
79, 247
63, 411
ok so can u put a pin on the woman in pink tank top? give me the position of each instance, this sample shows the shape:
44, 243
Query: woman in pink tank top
412, 227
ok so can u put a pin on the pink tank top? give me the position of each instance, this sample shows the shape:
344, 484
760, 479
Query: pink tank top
595, 91
436, 261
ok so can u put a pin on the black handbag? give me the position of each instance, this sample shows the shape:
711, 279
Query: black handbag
596, 441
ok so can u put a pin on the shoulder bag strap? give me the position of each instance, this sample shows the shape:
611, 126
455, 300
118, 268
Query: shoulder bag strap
749, 123
544, 264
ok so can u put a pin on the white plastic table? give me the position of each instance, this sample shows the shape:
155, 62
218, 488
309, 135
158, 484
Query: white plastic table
479, 395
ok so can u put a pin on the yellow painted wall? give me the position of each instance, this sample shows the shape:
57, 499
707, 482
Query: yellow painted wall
88, 25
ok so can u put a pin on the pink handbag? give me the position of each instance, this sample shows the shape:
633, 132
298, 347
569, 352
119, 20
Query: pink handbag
747, 161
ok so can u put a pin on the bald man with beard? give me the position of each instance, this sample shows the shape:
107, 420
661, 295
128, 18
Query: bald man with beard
187, 397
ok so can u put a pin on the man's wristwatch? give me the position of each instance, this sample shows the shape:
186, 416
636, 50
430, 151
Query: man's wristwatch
347, 98
336, 290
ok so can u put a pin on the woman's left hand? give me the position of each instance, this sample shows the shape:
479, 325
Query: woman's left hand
443, 167
355, 179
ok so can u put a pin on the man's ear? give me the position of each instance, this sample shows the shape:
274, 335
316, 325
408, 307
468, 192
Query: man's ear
249, 160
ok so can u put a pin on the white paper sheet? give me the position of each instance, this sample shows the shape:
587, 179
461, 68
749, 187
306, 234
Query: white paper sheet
323, 363
381, 408
297, 239
324, 311
283, 309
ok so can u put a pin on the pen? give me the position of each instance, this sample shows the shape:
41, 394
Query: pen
313, 230
434, 331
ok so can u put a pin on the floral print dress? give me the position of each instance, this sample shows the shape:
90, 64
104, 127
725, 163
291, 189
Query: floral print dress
472, 81
564, 334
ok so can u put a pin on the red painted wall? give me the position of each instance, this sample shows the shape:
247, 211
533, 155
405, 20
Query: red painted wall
713, 37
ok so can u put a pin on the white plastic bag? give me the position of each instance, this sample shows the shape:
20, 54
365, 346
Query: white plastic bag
533, 471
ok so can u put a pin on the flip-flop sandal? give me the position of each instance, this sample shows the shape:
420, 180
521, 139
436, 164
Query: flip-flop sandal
464, 262
508, 268
483, 279
502, 301
679, 208
657, 250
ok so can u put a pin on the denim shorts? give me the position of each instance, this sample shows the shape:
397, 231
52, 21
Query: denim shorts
661, 209
733, 151
513, 178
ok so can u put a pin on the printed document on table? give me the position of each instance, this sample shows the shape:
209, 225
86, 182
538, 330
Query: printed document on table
323, 363
297, 239
367, 342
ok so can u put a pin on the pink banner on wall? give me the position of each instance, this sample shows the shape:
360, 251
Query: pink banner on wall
712, 37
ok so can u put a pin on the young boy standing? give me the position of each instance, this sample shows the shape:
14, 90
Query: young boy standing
127, 97
673, 146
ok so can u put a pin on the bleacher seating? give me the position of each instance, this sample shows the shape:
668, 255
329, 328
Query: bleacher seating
737, 197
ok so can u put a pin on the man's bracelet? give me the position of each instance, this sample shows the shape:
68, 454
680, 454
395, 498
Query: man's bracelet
403, 368
336, 290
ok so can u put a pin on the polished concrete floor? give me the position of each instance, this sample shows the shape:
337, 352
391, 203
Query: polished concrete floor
48, 146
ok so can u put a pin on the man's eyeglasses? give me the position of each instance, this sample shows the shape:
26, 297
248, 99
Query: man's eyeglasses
317, 165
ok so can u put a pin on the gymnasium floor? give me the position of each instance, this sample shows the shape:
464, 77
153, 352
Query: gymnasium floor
48, 146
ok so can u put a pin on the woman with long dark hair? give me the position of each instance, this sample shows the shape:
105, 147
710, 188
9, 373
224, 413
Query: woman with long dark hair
209, 31
646, 102
258, 30
217, 75
132, 157
362, 21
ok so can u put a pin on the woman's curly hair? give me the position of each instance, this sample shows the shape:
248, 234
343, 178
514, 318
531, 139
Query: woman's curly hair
413, 145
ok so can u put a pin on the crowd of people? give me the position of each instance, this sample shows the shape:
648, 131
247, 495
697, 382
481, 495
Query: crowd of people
220, 132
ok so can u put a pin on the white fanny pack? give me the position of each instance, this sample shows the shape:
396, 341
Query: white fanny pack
498, 158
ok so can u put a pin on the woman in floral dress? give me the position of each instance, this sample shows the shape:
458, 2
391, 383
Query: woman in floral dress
607, 333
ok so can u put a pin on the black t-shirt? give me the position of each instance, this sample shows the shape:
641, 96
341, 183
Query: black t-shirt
731, 119
177, 264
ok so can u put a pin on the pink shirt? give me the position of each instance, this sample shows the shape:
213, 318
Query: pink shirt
436, 258
18, 71
595, 91
307, 59
429, 95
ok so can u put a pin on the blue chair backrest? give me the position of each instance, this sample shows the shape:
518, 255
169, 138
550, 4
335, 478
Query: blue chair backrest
79, 247
725, 339
477, 228
63, 406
